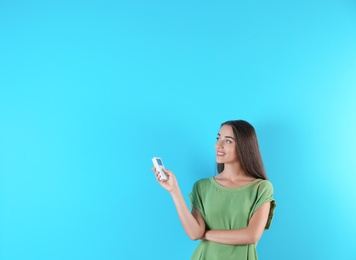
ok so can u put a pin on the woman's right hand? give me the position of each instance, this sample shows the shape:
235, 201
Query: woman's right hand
171, 184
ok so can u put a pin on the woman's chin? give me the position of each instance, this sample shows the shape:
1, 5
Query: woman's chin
219, 160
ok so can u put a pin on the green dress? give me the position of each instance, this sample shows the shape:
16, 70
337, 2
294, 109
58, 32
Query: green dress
227, 209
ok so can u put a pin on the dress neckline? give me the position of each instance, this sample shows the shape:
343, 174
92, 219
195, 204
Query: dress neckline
215, 182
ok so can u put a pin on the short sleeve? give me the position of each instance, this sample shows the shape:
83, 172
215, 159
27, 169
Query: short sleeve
196, 197
265, 194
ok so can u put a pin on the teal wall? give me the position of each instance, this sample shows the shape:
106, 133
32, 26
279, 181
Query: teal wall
90, 91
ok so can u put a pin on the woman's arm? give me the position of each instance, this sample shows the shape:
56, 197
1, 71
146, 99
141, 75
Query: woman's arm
192, 222
249, 235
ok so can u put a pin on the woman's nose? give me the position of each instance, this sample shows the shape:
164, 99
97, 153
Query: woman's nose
219, 144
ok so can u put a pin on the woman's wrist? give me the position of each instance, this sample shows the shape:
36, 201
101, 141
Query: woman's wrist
206, 235
175, 191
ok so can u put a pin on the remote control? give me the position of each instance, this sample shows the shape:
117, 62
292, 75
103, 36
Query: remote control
157, 162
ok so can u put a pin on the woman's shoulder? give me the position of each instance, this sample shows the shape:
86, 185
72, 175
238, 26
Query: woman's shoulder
204, 182
264, 182
264, 185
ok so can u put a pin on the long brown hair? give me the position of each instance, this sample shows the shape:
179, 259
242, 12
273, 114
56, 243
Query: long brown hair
247, 149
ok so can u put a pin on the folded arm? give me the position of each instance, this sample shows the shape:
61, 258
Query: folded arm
249, 235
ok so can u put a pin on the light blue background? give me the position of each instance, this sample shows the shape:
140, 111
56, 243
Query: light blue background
90, 91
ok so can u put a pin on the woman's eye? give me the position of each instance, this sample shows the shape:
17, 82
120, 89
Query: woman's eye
228, 141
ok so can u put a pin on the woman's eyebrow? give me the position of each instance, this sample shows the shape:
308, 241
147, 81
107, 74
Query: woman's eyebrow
227, 136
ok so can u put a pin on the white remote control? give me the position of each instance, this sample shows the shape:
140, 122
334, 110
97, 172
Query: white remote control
158, 163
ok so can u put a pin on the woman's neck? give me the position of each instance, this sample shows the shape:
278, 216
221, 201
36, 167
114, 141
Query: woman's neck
233, 171
233, 176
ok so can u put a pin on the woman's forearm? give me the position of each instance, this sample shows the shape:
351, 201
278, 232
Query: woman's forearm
192, 227
244, 236
231, 237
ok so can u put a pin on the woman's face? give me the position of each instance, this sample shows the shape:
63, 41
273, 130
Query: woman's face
225, 145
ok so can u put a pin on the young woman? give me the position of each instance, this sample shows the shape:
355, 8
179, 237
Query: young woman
231, 210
